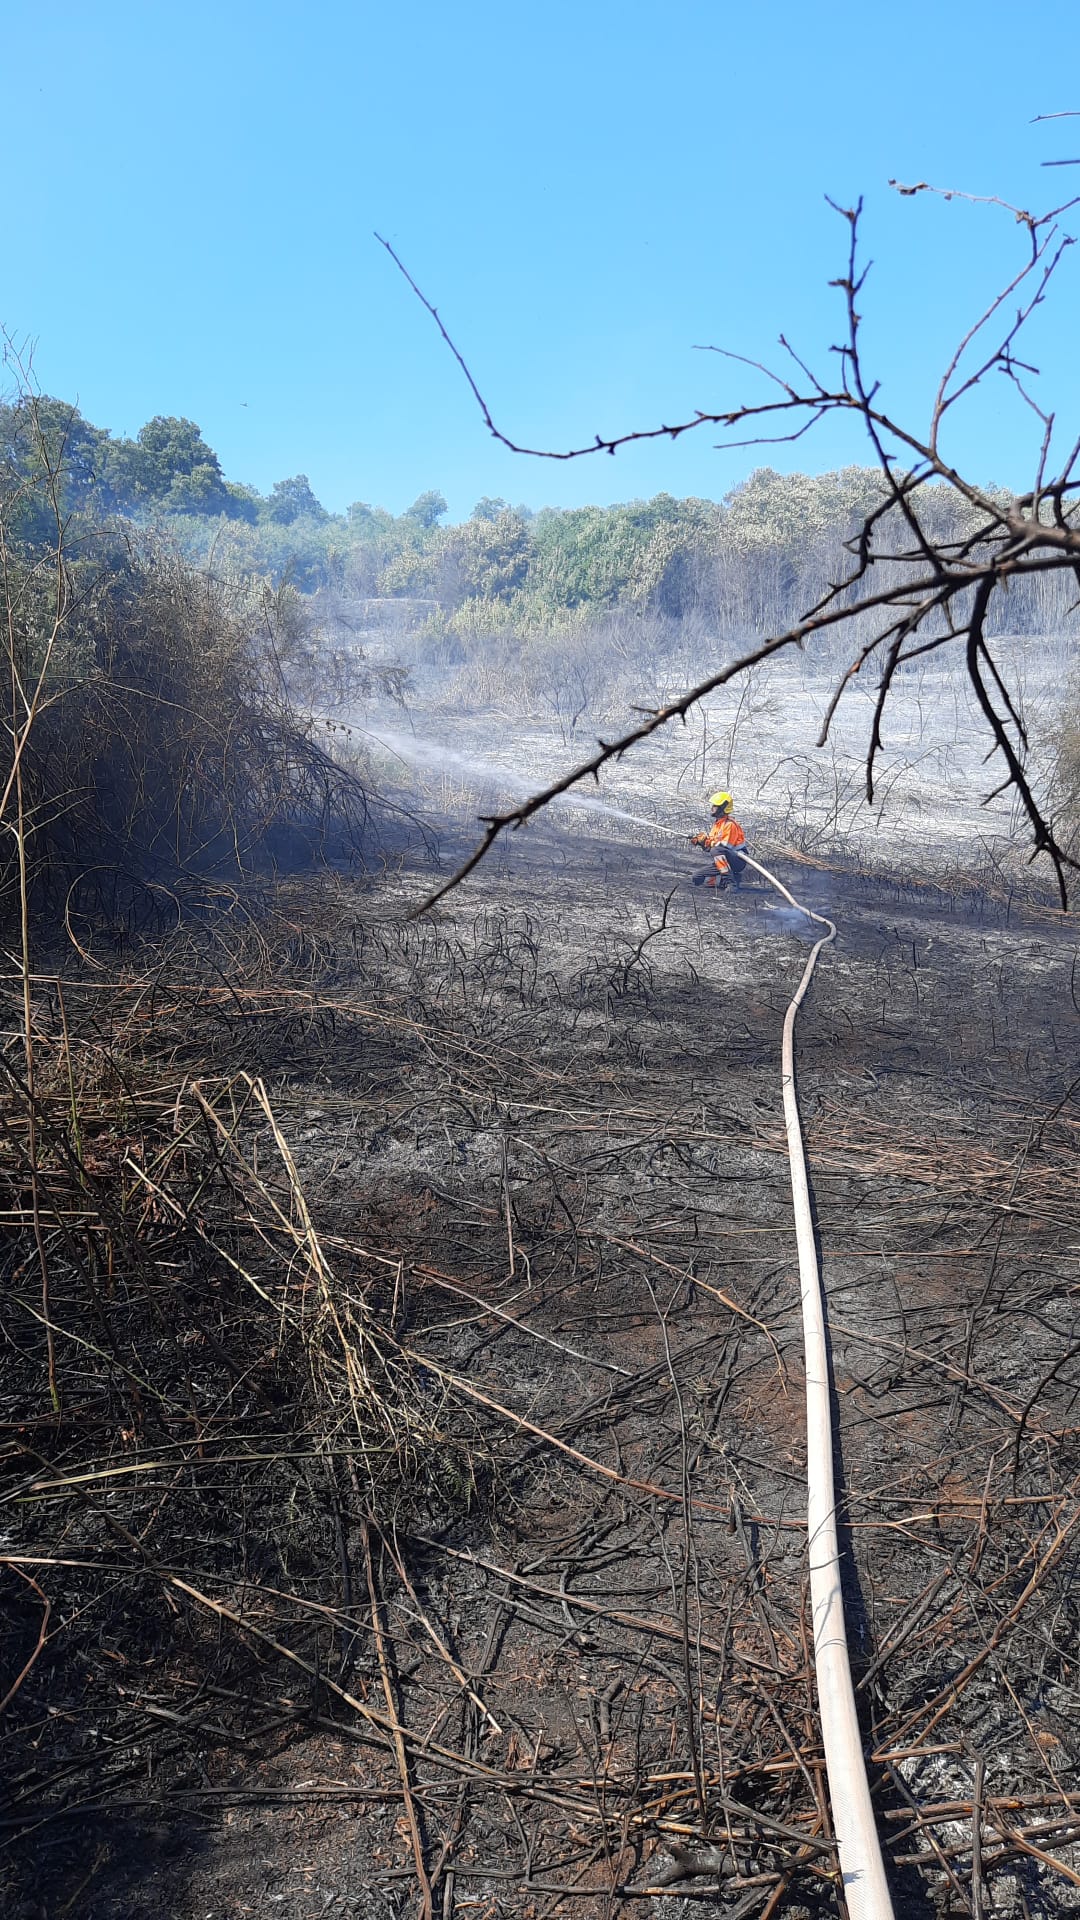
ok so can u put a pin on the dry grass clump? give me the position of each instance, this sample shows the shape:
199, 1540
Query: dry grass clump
201, 1394
205, 1387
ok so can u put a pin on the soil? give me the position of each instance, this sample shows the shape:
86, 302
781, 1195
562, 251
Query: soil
563, 1172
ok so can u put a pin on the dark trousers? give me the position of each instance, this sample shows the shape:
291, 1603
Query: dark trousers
734, 877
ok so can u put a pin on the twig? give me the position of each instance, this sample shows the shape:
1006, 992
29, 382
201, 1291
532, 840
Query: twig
426, 1903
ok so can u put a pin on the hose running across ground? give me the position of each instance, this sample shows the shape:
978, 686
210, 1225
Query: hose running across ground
862, 1868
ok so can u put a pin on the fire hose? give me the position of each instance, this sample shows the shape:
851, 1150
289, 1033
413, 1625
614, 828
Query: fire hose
862, 1869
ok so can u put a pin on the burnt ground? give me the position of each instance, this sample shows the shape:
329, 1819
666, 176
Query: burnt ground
529, 1157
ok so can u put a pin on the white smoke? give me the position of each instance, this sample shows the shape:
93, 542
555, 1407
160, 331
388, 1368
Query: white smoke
791, 920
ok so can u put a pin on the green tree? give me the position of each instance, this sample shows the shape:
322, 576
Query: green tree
595, 556
363, 518
47, 447
177, 469
244, 502
489, 507
487, 558
427, 509
371, 536
294, 500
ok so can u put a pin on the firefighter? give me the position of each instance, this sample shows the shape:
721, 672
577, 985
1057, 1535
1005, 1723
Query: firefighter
721, 840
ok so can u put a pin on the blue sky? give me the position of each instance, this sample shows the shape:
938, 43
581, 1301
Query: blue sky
586, 190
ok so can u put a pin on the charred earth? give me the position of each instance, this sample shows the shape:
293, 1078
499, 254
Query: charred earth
422, 1525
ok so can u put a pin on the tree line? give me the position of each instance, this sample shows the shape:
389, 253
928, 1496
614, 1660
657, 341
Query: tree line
754, 559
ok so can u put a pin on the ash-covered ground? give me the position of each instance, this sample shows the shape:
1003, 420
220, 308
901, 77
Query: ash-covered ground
934, 808
573, 1674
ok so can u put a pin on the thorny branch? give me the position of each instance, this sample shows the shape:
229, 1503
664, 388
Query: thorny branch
923, 590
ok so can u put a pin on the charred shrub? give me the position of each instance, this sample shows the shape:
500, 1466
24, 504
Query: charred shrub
160, 734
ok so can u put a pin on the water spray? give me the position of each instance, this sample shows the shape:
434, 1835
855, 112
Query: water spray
436, 757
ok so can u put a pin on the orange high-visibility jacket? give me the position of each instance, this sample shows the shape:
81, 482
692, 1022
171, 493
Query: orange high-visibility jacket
722, 833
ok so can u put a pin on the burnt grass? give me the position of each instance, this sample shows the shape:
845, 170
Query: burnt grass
422, 1526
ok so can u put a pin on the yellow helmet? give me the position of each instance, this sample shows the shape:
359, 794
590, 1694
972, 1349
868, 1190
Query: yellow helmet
721, 800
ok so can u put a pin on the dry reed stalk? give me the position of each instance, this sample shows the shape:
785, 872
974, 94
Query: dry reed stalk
426, 1899
441, 1649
